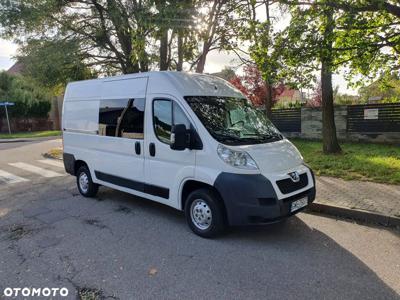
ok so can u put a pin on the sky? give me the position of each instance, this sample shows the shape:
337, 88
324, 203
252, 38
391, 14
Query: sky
216, 61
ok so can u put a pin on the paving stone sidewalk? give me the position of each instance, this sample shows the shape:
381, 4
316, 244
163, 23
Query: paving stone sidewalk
377, 198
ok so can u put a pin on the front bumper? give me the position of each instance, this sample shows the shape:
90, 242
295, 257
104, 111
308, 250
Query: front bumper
251, 199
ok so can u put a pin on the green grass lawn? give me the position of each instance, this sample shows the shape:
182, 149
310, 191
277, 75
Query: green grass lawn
34, 134
369, 162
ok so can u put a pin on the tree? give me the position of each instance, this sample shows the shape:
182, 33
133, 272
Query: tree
31, 100
254, 87
386, 87
174, 20
114, 35
263, 51
312, 36
226, 73
53, 63
362, 36
218, 22
111, 33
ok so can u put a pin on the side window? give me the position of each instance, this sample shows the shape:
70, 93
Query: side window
179, 117
162, 119
109, 113
132, 121
167, 113
122, 118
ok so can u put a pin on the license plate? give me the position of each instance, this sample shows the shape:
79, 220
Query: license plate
299, 204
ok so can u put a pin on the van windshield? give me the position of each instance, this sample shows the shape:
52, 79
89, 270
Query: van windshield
233, 121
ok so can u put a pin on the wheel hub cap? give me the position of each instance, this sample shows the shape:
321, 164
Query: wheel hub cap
83, 182
201, 215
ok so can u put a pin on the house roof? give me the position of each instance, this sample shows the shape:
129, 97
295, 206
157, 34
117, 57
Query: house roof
16, 69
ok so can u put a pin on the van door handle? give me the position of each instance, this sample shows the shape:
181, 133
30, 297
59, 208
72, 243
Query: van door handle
137, 148
152, 149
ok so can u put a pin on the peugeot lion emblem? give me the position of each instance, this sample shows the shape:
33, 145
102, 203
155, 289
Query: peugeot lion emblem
294, 176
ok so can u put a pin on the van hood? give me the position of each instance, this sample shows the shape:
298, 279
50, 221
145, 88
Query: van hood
276, 156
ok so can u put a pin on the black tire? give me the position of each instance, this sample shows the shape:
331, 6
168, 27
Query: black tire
212, 205
92, 187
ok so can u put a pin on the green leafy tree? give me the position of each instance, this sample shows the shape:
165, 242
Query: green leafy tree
54, 63
115, 35
363, 37
30, 99
387, 88
310, 39
125, 36
263, 51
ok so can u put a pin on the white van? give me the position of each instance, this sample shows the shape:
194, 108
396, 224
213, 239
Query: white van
190, 141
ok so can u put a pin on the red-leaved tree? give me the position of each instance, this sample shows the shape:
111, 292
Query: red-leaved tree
253, 86
316, 100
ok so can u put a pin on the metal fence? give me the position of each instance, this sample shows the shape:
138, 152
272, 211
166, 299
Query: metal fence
287, 120
372, 118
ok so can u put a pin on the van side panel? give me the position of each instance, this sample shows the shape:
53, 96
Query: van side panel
124, 89
81, 116
114, 156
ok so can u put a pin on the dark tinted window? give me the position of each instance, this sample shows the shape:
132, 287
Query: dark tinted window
122, 118
165, 114
109, 112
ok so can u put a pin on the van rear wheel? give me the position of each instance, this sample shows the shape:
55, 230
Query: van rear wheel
86, 186
204, 213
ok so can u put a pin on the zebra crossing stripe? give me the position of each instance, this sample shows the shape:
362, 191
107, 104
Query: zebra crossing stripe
10, 178
52, 162
36, 170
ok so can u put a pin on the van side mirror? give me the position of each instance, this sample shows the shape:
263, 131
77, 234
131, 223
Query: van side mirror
180, 137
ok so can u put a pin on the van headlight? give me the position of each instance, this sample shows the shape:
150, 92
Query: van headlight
237, 159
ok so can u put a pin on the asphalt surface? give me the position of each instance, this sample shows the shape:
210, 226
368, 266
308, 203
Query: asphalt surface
118, 246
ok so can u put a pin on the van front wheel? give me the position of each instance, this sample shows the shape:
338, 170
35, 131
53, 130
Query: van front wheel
204, 213
86, 186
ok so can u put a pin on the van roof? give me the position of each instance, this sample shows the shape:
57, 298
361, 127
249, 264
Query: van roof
171, 82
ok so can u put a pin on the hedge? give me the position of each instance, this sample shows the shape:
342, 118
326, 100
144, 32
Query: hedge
31, 100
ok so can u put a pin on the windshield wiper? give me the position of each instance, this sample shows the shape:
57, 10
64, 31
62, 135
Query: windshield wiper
227, 137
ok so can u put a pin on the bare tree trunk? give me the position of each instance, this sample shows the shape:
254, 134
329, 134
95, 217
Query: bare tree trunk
202, 60
268, 100
164, 51
329, 138
179, 65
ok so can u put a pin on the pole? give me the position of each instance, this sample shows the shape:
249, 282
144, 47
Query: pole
8, 120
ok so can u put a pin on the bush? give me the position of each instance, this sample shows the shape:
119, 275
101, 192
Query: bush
287, 105
30, 99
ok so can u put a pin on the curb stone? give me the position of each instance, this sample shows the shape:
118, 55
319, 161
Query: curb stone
21, 140
356, 214
15, 140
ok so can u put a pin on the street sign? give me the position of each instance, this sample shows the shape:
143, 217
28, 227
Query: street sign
5, 104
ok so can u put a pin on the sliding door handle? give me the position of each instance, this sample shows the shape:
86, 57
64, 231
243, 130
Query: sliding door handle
152, 149
137, 148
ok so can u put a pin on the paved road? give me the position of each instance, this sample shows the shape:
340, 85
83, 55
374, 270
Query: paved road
122, 247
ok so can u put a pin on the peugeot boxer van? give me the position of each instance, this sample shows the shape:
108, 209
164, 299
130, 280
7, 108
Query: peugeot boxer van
190, 141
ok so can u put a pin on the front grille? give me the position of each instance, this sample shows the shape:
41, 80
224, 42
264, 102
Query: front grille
288, 186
